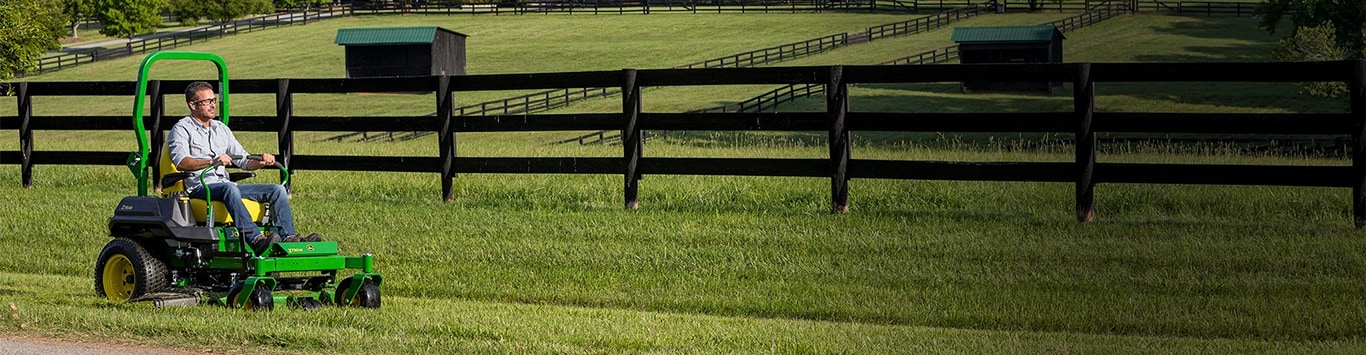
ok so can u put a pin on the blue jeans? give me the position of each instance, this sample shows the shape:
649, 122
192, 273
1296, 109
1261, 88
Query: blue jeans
231, 195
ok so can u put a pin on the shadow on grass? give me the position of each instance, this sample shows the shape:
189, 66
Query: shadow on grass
1228, 29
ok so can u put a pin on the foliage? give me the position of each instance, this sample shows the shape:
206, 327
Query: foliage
218, 11
126, 18
76, 11
189, 12
300, 4
1316, 43
30, 28
1347, 16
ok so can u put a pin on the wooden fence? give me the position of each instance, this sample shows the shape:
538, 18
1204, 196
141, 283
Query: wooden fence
838, 120
1199, 8
173, 40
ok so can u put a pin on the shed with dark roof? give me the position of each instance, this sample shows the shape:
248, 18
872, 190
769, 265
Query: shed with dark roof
402, 51
1009, 44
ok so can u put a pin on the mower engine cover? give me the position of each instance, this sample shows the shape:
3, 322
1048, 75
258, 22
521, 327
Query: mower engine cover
161, 217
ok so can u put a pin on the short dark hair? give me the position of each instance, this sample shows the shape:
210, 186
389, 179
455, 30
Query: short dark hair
195, 87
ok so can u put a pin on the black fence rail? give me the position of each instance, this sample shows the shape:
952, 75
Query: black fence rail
1084, 121
1198, 8
535, 102
923, 24
773, 54
1096, 15
941, 55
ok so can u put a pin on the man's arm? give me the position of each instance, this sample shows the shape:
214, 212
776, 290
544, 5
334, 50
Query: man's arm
180, 152
192, 164
236, 150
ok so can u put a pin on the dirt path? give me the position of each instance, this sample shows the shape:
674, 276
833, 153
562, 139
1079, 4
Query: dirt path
14, 345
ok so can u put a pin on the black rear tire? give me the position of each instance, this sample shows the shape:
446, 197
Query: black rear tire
126, 271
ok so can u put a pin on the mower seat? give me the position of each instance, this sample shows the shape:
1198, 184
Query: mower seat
172, 181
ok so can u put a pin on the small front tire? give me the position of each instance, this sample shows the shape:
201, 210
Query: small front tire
259, 299
367, 297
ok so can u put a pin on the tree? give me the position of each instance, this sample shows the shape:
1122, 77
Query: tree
1317, 43
126, 18
189, 11
76, 11
1348, 18
30, 28
300, 4
218, 11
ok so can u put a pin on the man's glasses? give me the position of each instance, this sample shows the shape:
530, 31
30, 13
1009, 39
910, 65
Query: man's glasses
213, 101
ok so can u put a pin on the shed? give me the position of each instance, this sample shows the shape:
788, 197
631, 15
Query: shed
1009, 44
402, 51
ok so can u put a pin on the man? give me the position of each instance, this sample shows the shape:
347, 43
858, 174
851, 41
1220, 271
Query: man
198, 140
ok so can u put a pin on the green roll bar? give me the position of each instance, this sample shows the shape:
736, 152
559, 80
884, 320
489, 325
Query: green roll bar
138, 162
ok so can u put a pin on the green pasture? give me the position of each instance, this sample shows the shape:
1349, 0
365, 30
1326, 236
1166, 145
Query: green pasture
712, 264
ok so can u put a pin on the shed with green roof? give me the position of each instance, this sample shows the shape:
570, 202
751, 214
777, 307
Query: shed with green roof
1009, 44
402, 51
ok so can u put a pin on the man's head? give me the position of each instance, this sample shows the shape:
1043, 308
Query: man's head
202, 101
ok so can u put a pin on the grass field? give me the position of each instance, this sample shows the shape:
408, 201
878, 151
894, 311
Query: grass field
552, 263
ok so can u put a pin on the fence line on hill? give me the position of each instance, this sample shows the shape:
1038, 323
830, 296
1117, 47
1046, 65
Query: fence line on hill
170, 41
908, 27
788, 93
62, 61
552, 99
838, 120
1198, 8
770, 100
176, 39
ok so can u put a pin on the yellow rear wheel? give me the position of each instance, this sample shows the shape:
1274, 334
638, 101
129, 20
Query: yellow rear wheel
119, 278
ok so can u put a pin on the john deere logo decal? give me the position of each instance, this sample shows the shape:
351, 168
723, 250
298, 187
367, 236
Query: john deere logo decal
310, 247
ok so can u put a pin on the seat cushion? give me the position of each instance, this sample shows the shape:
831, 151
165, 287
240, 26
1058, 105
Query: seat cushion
220, 211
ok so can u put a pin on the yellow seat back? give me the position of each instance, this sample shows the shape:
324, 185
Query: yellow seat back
220, 211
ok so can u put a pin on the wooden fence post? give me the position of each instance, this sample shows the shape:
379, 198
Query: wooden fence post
158, 141
25, 135
284, 111
630, 138
444, 100
837, 108
1084, 102
1358, 110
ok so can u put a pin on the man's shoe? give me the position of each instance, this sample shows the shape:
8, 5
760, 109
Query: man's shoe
263, 241
313, 237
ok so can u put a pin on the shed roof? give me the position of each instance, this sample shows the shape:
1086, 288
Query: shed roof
1006, 34
389, 35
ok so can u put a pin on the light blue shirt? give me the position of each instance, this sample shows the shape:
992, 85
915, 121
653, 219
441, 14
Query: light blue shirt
189, 139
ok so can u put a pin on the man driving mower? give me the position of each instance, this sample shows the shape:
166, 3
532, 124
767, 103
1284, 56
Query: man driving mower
198, 140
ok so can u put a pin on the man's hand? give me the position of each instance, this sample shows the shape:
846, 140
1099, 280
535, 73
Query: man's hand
267, 159
225, 159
